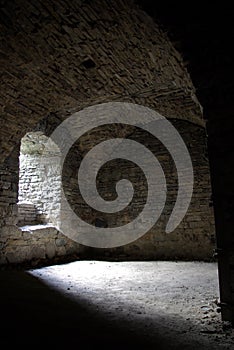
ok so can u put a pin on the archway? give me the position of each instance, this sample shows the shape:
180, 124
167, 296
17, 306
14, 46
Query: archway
39, 181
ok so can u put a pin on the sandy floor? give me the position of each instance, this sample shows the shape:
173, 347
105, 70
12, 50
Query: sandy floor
118, 305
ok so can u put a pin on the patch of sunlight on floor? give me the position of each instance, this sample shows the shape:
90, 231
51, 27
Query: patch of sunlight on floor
176, 297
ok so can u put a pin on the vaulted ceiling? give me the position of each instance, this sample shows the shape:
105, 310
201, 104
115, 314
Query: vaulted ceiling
204, 37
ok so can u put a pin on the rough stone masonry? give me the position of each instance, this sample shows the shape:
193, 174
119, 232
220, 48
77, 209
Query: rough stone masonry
65, 57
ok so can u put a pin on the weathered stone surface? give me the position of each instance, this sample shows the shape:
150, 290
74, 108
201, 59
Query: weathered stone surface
47, 73
39, 183
40, 242
106, 51
50, 250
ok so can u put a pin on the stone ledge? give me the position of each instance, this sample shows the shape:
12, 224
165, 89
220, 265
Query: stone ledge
32, 228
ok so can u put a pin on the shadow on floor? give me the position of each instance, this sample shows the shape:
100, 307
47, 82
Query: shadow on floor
32, 314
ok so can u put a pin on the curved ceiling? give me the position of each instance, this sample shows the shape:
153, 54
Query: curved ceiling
204, 36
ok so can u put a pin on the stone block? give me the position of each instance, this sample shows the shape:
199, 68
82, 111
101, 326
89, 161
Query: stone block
50, 250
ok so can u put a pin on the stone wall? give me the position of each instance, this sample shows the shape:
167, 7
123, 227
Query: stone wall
66, 56
69, 55
9, 179
27, 214
37, 244
194, 238
40, 181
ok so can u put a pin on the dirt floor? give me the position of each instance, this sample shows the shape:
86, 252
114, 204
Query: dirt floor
114, 305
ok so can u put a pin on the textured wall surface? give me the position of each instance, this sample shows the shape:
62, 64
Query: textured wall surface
58, 58
193, 238
35, 245
40, 182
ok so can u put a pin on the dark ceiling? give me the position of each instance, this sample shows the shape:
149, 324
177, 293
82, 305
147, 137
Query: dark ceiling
205, 38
